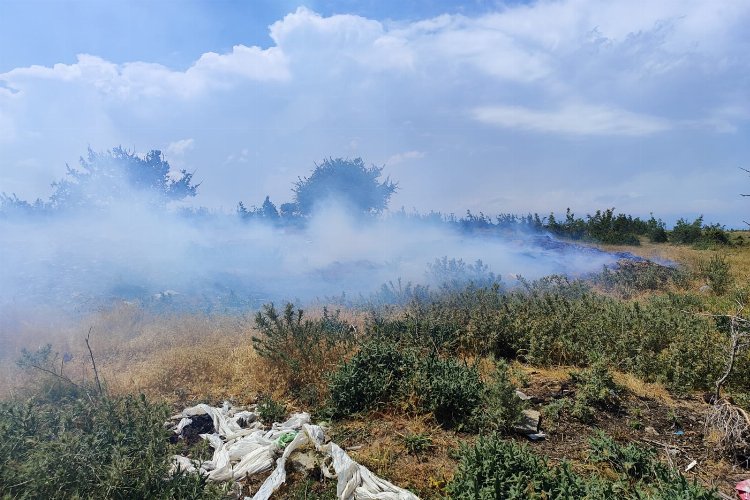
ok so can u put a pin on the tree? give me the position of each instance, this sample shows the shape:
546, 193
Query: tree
116, 175
344, 180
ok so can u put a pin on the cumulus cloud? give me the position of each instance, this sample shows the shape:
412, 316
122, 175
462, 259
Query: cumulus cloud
501, 95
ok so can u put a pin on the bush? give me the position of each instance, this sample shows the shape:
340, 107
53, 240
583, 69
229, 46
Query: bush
595, 389
717, 273
687, 233
101, 448
451, 390
270, 411
302, 349
502, 407
493, 468
379, 373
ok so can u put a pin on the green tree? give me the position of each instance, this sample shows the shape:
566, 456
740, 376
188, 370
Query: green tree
347, 181
116, 175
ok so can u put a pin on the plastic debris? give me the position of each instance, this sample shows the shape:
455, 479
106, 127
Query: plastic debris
743, 489
691, 465
242, 447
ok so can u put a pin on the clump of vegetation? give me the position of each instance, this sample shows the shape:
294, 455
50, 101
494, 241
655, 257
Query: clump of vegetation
270, 410
595, 389
303, 350
717, 273
630, 278
379, 373
493, 468
502, 407
99, 448
451, 390
417, 443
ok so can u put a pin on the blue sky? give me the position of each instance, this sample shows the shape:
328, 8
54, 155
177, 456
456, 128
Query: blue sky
494, 106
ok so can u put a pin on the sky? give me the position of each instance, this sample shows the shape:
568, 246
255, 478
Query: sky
492, 106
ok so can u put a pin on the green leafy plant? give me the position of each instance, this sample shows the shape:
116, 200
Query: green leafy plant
380, 372
270, 411
452, 390
91, 448
717, 272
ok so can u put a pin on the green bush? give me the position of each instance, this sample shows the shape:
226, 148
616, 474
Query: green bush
493, 468
100, 448
451, 390
502, 407
717, 273
379, 373
301, 347
595, 389
270, 411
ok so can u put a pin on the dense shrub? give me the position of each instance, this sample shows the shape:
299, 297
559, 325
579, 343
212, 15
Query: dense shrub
630, 278
502, 407
379, 373
595, 389
100, 448
302, 349
451, 390
717, 273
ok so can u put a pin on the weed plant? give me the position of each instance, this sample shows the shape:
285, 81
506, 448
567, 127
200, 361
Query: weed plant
98, 448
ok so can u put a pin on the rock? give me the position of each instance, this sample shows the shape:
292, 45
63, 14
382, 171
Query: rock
529, 423
651, 430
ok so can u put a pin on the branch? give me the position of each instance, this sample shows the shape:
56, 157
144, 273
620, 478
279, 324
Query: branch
93, 363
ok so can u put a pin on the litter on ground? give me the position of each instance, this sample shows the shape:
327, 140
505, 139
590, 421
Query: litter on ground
243, 447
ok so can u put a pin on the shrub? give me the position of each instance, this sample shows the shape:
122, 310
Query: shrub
270, 411
379, 373
595, 388
100, 448
302, 349
717, 273
687, 233
502, 407
493, 468
451, 390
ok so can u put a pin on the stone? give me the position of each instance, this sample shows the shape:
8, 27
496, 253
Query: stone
529, 422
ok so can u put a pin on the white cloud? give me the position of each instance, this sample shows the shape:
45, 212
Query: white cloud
179, 148
406, 155
576, 119
557, 69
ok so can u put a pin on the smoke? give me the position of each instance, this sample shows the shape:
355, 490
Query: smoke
135, 252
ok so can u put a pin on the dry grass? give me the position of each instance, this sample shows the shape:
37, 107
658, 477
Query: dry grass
378, 442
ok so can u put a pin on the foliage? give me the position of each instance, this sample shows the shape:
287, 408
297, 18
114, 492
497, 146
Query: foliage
687, 233
502, 407
717, 273
115, 175
416, 443
630, 278
297, 346
451, 390
455, 274
270, 411
100, 448
379, 373
595, 389
347, 181
493, 468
